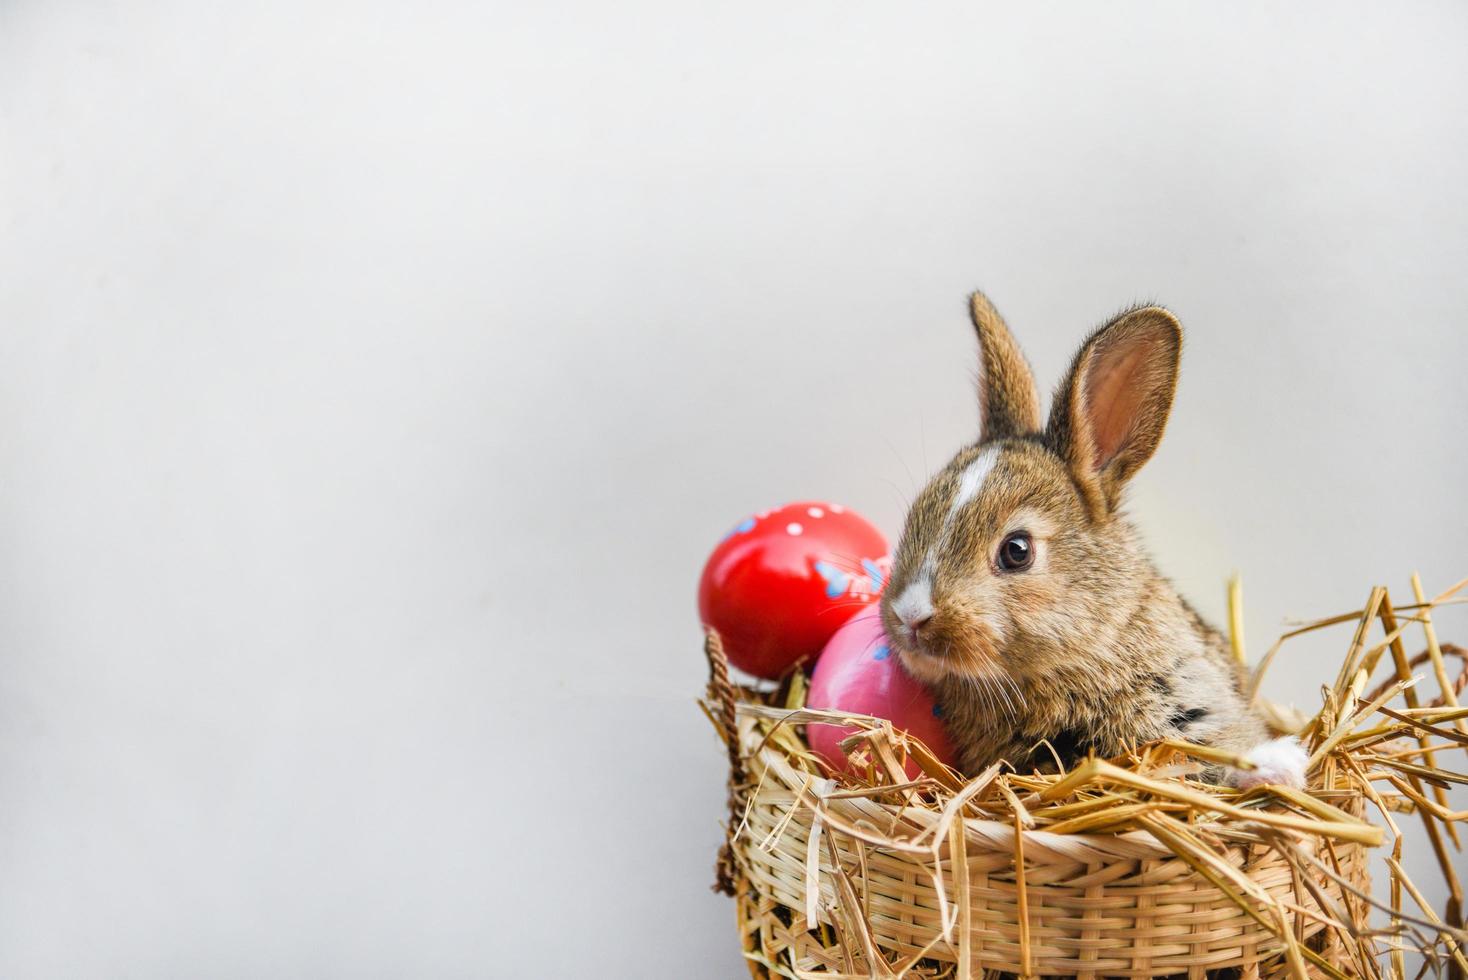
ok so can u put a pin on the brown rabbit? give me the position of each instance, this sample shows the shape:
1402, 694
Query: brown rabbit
1021, 596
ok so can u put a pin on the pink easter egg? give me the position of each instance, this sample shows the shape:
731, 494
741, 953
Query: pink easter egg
858, 672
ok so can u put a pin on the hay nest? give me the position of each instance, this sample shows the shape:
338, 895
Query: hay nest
1119, 867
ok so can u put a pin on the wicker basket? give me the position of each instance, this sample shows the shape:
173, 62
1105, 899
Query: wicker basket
820, 890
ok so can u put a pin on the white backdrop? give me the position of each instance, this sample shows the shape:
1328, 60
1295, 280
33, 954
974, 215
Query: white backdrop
375, 378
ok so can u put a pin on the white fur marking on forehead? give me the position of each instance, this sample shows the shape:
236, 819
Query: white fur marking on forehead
971, 480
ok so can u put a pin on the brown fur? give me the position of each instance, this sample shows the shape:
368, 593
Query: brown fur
1090, 649
1008, 403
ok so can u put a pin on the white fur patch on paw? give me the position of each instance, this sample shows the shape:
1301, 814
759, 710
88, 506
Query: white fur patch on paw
1281, 762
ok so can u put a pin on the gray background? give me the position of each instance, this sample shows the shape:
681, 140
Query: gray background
374, 380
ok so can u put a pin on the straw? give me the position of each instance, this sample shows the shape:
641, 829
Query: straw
1119, 867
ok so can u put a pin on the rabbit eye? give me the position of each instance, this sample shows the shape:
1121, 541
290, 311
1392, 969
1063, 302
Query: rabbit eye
1017, 552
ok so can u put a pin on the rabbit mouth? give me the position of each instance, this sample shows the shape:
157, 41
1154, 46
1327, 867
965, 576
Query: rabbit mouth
925, 665
942, 642
925, 643
934, 656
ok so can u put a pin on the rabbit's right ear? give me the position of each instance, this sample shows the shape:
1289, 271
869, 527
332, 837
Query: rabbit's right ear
1008, 403
1111, 409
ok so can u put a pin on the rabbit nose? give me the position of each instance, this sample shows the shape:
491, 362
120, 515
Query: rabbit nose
917, 621
913, 607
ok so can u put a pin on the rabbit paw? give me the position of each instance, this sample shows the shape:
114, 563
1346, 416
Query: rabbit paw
1281, 762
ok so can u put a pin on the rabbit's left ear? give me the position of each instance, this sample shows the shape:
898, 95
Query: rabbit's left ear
1111, 409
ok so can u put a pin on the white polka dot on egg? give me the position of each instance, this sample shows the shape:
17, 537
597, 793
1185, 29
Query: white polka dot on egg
793, 528
836, 508
815, 512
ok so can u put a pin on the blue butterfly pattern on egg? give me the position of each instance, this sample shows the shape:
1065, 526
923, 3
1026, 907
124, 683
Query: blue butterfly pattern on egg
743, 527
839, 582
747, 525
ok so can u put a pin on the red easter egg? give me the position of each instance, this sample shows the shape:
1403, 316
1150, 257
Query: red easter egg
783, 580
858, 672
